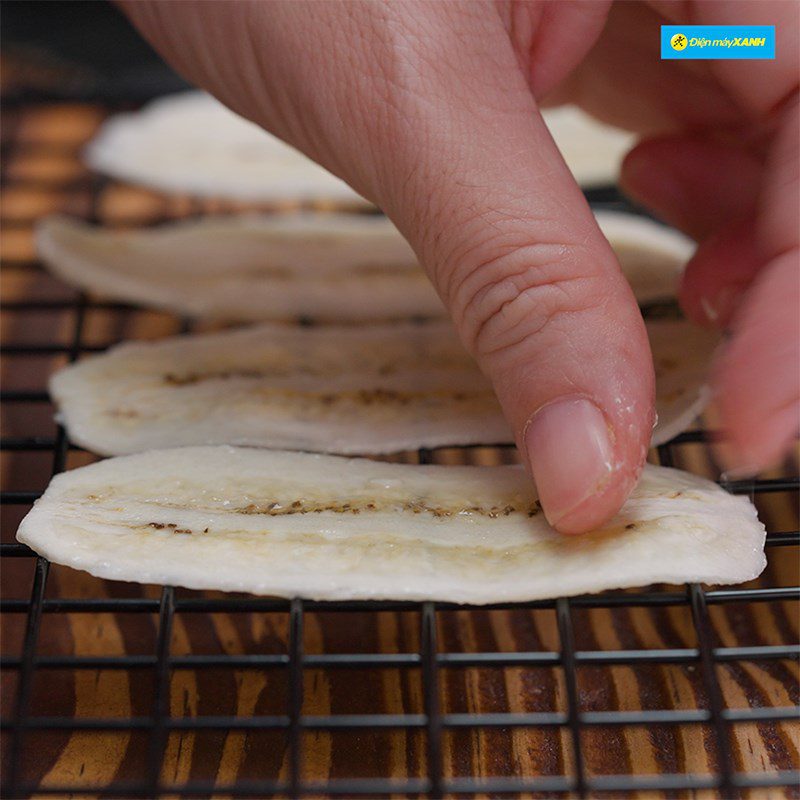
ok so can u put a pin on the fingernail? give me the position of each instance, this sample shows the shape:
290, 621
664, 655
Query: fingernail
738, 473
711, 313
721, 308
570, 454
726, 303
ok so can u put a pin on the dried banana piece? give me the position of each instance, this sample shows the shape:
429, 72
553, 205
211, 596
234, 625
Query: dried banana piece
329, 267
593, 150
190, 143
328, 528
367, 389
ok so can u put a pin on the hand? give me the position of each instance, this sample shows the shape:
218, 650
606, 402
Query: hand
431, 111
723, 168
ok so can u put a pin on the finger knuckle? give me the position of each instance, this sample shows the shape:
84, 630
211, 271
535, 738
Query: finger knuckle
505, 300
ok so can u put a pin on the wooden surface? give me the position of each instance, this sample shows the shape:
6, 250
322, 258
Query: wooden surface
96, 758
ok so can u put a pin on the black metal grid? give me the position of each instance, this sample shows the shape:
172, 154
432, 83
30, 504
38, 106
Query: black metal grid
429, 658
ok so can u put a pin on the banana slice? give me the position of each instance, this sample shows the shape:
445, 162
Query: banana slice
190, 143
328, 528
368, 389
330, 267
593, 150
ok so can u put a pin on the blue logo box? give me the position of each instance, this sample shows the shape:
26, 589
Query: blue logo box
717, 41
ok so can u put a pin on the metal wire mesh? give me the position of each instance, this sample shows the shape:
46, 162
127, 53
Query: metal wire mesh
430, 658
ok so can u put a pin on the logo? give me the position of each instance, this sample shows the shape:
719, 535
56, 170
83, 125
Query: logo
678, 42
710, 42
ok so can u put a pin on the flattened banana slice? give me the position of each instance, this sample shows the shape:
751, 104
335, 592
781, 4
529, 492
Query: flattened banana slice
329, 267
368, 389
593, 150
190, 143
327, 528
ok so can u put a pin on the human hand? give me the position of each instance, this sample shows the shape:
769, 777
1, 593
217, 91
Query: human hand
723, 167
431, 111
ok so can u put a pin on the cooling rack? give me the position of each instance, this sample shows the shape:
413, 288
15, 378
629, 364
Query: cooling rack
127, 691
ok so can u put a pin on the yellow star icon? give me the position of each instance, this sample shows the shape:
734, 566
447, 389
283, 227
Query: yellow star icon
678, 42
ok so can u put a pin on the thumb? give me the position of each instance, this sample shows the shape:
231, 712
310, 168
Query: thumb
427, 109
538, 298
533, 287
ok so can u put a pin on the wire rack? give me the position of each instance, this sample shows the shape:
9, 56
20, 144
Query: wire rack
430, 657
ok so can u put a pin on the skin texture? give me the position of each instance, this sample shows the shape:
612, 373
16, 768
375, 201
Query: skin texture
431, 110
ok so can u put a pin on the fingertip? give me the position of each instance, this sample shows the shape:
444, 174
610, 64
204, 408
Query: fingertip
704, 299
582, 469
597, 510
713, 285
754, 435
756, 377
742, 457
692, 183
647, 175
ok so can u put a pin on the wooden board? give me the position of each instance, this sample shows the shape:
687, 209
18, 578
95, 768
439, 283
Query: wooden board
43, 175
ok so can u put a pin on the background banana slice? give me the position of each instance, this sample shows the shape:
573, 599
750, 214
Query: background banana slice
329, 267
365, 389
191, 143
